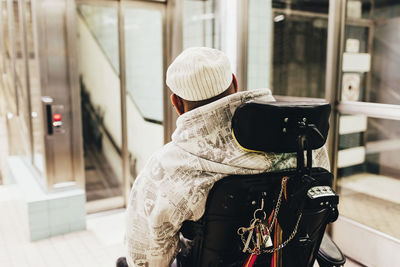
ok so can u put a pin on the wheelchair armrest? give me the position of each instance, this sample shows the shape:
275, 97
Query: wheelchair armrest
329, 254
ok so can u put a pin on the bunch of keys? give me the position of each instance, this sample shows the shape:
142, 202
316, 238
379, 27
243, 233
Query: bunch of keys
258, 233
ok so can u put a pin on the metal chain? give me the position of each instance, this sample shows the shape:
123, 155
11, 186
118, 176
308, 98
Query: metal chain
282, 245
278, 204
276, 210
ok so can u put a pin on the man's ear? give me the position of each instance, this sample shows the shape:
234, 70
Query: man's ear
235, 83
178, 104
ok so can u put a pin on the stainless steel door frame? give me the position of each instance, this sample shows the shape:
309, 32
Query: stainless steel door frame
336, 19
76, 136
124, 123
242, 42
174, 39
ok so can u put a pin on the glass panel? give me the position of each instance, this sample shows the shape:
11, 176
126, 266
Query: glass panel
144, 56
19, 135
368, 171
199, 24
2, 38
144, 61
103, 24
101, 101
35, 94
372, 53
19, 62
8, 77
3, 132
287, 47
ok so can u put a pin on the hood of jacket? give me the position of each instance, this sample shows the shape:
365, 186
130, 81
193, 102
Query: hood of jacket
205, 133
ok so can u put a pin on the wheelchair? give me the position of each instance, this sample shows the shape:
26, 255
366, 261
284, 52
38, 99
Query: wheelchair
275, 218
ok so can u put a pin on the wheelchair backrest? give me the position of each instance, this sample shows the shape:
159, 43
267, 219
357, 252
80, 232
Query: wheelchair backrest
275, 126
304, 207
231, 204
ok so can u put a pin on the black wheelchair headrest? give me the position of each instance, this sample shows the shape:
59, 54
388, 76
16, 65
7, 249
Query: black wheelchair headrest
276, 126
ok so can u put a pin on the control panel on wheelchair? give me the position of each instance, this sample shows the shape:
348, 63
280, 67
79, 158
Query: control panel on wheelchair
276, 218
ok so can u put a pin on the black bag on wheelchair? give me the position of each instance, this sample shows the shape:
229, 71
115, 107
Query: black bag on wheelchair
275, 218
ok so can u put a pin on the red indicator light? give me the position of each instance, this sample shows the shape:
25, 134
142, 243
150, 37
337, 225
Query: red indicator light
56, 117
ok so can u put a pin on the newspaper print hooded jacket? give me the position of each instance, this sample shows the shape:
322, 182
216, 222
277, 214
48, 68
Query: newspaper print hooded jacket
174, 184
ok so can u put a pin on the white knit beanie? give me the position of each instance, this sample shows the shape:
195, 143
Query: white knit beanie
199, 73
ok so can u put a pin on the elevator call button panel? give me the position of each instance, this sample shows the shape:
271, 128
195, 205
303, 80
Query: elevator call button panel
53, 116
57, 118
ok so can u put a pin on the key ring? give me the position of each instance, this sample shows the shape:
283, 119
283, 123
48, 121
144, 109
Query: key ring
263, 213
242, 230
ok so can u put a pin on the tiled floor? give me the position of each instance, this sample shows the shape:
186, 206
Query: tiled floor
100, 245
